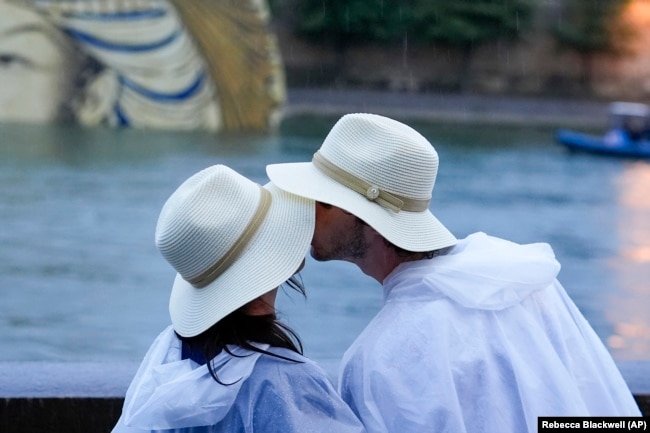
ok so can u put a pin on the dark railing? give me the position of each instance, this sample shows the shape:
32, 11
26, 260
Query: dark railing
39, 397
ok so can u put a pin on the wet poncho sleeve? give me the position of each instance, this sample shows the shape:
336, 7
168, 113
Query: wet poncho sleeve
284, 397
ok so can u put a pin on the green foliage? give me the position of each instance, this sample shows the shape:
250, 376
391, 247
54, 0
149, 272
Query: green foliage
592, 26
461, 23
347, 22
466, 23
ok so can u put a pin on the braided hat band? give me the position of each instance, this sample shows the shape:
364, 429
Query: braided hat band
229, 257
374, 193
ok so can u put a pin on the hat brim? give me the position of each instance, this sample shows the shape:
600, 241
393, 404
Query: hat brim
271, 257
412, 231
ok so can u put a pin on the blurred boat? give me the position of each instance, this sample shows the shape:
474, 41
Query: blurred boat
628, 134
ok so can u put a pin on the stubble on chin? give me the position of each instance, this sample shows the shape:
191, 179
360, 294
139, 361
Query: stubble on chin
349, 246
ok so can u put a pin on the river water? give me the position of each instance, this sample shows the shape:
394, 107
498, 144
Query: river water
81, 279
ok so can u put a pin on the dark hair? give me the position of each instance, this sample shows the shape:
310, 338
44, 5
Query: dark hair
242, 330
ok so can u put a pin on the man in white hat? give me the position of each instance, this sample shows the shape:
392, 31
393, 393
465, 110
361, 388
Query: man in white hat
475, 335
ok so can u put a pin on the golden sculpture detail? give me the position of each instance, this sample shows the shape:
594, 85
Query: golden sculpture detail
243, 58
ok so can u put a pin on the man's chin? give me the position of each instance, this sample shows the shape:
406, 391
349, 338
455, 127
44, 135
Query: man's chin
318, 255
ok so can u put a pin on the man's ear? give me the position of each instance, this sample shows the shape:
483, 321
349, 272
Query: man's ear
95, 102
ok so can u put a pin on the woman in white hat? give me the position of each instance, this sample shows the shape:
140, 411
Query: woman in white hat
226, 364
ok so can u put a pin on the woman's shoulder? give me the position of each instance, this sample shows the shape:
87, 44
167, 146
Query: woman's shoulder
287, 361
293, 395
289, 368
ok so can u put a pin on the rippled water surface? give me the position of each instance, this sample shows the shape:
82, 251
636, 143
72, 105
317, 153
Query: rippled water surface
80, 278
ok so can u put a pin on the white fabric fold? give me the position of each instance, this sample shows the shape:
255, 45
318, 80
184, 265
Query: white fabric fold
483, 272
169, 392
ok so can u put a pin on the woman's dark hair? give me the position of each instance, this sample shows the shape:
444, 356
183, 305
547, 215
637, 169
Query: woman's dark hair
240, 329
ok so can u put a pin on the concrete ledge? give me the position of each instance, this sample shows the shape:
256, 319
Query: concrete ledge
65, 379
39, 397
59, 415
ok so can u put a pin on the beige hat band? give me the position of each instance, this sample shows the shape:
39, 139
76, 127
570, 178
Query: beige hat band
211, 274
383, 198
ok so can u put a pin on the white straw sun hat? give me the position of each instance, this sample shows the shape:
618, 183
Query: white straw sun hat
380, 170
230, 240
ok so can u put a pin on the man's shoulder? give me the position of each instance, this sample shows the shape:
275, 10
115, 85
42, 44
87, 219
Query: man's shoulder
385, 333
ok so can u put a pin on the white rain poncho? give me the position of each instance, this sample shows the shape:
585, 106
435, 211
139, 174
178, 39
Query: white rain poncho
268, 395
483, 339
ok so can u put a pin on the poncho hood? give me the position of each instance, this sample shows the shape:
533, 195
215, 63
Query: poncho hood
482, 272
169, 392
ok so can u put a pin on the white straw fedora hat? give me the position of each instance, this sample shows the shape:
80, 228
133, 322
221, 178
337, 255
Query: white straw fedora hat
230, 240
379, 169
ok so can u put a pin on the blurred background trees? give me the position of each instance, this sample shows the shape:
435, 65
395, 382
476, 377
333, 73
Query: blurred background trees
344, 24
466, 25
589, 28
582, 30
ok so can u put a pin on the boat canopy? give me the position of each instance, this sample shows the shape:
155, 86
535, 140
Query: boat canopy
634, 117
634, 109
